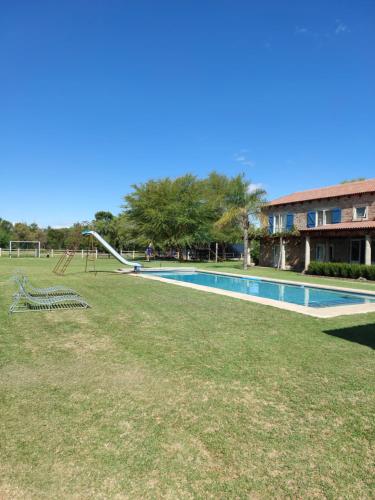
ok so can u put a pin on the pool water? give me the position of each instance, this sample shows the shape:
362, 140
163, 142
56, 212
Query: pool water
294, 294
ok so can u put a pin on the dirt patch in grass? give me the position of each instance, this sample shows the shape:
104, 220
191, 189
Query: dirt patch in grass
83, 343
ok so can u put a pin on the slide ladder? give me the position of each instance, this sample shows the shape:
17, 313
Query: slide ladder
112, 251
64, 262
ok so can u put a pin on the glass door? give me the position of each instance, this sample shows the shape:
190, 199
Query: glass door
355, 251
320, 252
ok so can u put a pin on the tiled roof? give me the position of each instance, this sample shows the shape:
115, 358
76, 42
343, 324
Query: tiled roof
366, 224
346, 189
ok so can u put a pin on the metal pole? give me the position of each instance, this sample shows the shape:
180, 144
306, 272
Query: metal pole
216, 251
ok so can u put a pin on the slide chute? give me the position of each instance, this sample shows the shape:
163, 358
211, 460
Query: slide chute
137, 266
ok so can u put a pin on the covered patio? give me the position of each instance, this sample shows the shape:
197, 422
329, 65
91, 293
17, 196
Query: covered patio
351, 242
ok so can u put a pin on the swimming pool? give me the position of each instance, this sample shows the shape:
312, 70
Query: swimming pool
300, 295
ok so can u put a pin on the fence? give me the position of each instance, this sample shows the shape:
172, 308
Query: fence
127, 254
30, 252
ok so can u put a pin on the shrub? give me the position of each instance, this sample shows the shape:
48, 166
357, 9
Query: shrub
255, 250
342, 270
369, 273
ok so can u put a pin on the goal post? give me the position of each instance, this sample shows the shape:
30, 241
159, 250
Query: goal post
24, 248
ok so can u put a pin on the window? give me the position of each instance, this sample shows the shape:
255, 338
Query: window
324, 252
279, 223
320, 218
359, 213
276, 223
327, 216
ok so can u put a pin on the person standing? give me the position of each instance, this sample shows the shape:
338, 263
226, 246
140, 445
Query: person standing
149, 252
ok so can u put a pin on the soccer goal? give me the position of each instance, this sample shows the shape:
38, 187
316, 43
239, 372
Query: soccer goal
24, 249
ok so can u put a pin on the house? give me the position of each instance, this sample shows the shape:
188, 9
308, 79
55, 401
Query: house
331, 224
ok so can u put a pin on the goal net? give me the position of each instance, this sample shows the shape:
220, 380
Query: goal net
24, 249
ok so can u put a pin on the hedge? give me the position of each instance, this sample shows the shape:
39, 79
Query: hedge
342, 270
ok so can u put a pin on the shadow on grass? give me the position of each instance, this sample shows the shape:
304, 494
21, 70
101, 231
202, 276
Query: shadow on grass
363, 334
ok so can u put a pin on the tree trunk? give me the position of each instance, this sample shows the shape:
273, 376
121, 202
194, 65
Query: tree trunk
245, 246
249, 261
224, 252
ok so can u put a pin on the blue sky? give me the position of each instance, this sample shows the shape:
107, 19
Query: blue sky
98, 95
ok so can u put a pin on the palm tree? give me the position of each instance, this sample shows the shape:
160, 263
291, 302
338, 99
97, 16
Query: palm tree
243, 203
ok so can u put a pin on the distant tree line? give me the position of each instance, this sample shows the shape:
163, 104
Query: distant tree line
181, 213
49, 237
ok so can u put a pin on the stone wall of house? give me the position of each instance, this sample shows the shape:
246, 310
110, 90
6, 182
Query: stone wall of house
294, 252
346, 203
266, 252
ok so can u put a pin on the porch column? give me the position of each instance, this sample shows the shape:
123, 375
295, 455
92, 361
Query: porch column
307, 252
368, 250
282, 253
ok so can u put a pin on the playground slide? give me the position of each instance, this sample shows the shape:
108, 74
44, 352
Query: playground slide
112, 251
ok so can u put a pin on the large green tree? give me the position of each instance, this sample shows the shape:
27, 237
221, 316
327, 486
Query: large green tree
169, 212
104, 224
56, 237
6, 228
126, 236
75, 239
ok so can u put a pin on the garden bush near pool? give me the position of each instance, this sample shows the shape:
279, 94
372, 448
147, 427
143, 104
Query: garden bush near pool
342, 270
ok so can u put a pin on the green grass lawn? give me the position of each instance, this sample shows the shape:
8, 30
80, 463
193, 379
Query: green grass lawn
164, 391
